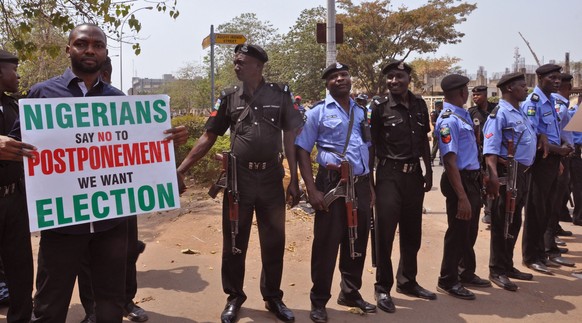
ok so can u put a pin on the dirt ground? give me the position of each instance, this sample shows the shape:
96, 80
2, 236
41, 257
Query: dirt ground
184, 288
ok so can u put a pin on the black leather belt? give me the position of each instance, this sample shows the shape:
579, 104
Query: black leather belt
7, 190
402, 166
259, 165
361, 178
470, 174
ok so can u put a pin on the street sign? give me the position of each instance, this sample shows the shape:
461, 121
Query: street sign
232, 39
206, 42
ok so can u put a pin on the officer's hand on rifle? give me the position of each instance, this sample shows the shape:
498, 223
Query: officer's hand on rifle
316, 199
178, 134
181, 184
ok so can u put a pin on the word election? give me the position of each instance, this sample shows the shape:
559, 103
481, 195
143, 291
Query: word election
78, 159
103, 205
94, 114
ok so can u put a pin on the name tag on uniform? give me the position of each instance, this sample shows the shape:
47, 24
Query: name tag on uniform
547, 113
272, 106
240, 108
332, 116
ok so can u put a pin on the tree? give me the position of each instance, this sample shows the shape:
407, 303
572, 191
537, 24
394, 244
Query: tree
375, 34
299, 59
427, 70
190, 89
19, 18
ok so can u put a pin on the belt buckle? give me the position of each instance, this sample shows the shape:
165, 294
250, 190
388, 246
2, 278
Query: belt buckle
264, 165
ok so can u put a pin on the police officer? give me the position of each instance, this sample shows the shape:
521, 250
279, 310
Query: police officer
339, 127
576, 169
434, 114
540, 109
255, 113
507, 122
479, 112
460, 184
400, 126
15, 245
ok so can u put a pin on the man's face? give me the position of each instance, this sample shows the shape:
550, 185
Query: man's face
479, 97
339, 83
87, 49
9, 78
518, 90
550, 83
397, 81
247, 67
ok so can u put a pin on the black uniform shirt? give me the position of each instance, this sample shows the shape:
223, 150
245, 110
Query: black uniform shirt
10, 171
256, 119
397, 132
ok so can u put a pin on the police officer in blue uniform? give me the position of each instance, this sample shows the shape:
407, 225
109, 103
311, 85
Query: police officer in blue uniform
400, 124
257, 114
339, 127
461, 186
507, 122
576, 169
540, 109
554, 252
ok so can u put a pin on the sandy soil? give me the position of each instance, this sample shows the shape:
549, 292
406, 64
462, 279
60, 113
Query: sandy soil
177, 288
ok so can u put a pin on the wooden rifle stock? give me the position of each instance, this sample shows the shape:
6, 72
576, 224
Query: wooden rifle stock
229, 164
510, 188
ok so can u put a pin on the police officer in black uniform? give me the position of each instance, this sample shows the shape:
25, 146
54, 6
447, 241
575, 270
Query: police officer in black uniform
15, 245
256, 114
400, 125
434, 114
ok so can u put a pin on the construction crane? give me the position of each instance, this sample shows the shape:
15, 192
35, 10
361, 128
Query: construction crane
531, 50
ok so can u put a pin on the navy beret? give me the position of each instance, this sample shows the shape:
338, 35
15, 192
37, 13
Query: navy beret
479, 88
547, 69
7, 57
252, 51
566, 77
453, 81
507, 78
334, 68
362, 96
397, 65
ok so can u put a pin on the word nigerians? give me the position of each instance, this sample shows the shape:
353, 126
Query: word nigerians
98, 158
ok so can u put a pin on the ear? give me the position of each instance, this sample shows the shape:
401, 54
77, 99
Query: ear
67, 50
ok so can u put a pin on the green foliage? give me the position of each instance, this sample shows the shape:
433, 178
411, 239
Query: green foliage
206, 169
20, 17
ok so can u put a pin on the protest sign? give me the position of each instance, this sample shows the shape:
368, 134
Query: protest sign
98, 158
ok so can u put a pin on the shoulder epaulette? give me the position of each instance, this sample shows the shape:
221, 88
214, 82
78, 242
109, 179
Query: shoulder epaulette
535, 98
559, 101
281, 86
381, 100
228, 91
493, 113
447, 113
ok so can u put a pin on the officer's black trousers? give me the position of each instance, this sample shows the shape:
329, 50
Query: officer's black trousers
461, 234
399, 198
331, 231
539, 207
576, 181
59, 262
261, 192
557, 203
501, 254
16, 253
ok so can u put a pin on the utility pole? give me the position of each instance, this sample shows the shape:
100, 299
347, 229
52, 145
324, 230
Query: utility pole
331, 56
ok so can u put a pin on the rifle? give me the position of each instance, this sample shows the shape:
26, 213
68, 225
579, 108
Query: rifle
511, 188
228, 181
373, 238
347, 188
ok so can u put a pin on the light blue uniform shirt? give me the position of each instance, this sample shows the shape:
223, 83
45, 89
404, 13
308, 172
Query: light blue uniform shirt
456, 135
327, 126
542, 113
510, 122
561, 106
576, 135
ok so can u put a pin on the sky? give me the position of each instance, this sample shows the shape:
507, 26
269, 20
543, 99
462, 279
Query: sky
491, 33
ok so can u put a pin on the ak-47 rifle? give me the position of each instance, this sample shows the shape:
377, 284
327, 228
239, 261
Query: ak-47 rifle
511, 188
373, 237
346, 189
228, 181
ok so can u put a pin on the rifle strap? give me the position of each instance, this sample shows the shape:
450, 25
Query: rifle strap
350, 126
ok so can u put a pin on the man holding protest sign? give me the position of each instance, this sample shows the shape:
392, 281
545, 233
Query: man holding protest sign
15, 246
256, 114
63, 248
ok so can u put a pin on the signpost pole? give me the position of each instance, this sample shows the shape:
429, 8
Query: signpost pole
211, 65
